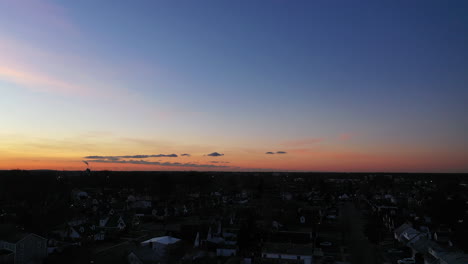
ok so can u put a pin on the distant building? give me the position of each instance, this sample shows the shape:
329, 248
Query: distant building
159, 244
19, 247
155, 250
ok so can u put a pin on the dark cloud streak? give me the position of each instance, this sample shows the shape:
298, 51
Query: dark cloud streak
215, 154
115, 158
157, 163
277, 152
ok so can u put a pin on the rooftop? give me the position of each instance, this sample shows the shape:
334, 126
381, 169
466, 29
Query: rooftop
162, 240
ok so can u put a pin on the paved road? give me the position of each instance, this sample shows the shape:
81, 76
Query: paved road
360, 249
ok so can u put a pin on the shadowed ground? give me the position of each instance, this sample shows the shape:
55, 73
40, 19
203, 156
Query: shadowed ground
360, 249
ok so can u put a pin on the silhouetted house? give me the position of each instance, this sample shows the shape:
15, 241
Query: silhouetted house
398, 232
225, 250
442, 235
21, 247
159, 244
155, 250
118, 222
444, 256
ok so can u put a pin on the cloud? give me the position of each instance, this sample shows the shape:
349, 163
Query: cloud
103, 157
185, 155
345, 136
215, 161
157, 163
302, 142
38, 81
150, 156
215, 154
114, 158
277, 152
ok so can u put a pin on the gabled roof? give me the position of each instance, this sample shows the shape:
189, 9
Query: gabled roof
85, 229
411, 233
420, 245
455, 258
161, 240
113, 221
398, 231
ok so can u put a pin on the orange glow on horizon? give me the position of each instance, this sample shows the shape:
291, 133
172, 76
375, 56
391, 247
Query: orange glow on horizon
299, 160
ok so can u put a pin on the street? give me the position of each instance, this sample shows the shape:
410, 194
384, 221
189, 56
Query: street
360, 249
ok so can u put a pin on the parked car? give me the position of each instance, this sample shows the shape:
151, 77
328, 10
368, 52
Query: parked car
406, 261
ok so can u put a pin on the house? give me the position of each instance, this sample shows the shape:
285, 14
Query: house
442, 235
112, 222
225, 242
225, 250
159, 244
21, 247
344, 197
420, 246
155, 250
454, 258
288, 251
399, 231
444, 256
79, 195
89, 232
431, 251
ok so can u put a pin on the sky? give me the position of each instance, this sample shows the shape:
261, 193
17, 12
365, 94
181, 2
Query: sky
234, 85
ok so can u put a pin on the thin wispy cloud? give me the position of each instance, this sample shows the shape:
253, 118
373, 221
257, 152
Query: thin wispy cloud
114, 158
157, 163
215, 154
345, 136
185, 155
277, 152
39, 82
150, 156
219, 162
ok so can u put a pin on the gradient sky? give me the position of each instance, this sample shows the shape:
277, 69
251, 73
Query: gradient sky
338, 85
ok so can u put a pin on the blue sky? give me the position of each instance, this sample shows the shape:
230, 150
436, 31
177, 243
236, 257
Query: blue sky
241, 74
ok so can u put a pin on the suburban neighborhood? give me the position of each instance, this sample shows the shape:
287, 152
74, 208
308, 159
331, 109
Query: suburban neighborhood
242, 218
